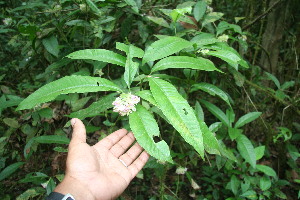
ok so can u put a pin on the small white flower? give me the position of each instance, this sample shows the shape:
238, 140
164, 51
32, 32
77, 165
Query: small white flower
195, 186
181, 170
203, 51
125, 104
223, 38
7, 21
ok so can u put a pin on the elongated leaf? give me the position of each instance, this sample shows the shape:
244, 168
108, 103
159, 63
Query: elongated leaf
217, 112
246, 150
99, 55
52, 139
68, 84
51, 44
31, 193
147, 95
210, 141
199, 111
234, 184
144, 128
9, 170
165, 47
93, 7
131, 67
267, 170
199, 10
212, 90
95, 108
159, 20
178, 112
135, 51
184, 62
227, 56
274, 79
249, 117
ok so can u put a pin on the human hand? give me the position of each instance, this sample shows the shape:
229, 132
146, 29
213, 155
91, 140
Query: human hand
95, 172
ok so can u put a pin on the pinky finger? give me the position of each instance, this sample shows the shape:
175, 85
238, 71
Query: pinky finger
138, 164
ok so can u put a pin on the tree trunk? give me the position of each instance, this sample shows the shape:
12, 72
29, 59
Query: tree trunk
272, 37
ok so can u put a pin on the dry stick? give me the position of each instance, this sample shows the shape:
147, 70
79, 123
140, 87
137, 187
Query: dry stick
261, 16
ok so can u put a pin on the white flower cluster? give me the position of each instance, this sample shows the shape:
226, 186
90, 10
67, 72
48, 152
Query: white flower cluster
181, 170
125, 103
223, 38
203, 51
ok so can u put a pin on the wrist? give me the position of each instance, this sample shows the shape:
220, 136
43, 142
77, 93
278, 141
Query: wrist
74, 187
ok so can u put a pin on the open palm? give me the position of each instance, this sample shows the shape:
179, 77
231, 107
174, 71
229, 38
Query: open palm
98, 168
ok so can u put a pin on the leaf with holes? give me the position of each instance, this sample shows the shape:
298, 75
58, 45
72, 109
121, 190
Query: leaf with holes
178, 112
165, 47
184, 62
99, 55
66, 85
144, 128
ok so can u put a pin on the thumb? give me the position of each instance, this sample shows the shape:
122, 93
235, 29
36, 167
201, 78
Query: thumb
79, 132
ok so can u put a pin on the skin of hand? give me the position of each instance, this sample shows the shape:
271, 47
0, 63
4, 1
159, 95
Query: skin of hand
95, 172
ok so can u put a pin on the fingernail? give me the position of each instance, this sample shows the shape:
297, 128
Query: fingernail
73, 121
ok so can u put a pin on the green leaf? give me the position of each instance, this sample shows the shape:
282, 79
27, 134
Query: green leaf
215, 126
144, 128
135, 51
184, 62
133, 4
99, 55
31, 193
266, 170
51, 45
210, 142
234, 133
212, 90
287, 85
216, 112
95, 108
147, 95
204, 39
52, 139
249, 117
250, 194
234, 184
211, 17
9, 170
131, 67
246, 150
259, 152
199, 10
165, 47
66, 85
11, 122
274, 79
229, 57
158, 20
265, 183
199, 111
93, 7
223, 26
178, 112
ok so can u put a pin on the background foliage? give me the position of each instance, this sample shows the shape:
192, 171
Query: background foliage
260, 81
